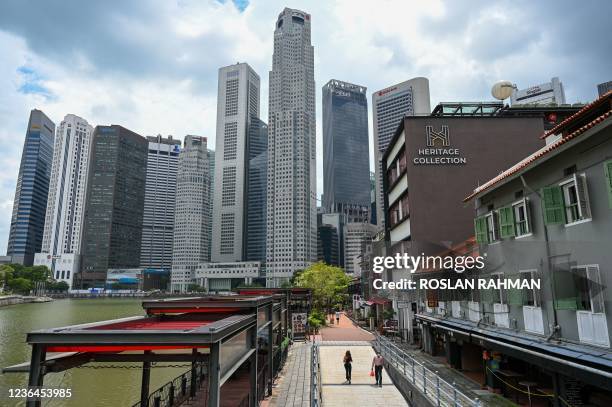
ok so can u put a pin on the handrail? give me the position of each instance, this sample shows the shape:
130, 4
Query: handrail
178, 390
316, 392
437, 390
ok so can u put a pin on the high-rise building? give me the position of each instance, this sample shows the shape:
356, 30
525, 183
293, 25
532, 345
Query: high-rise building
292, 209
346, 152
604, 88
389, 106
28, 218
356, 236
257, 185
61, 243
211, 194
160, 196
192, 213
237, 105
545, 93
114, 205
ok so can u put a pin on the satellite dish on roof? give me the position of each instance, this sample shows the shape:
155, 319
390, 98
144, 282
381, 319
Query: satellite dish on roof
502, 90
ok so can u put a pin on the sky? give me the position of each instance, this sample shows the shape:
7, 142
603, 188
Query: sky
152, 66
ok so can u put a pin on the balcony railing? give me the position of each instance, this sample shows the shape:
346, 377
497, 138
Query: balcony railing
434, 388
316, 393
180, 389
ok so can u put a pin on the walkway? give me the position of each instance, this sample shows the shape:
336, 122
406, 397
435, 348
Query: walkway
335, 340
293, 386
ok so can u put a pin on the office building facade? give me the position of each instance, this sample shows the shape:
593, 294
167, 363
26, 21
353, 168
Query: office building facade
257, 187
237, 105
112, 226
389, 106
356, 236
604, 88
30, 203
61, 244
346, 153
292, 209
159, 204
545, 93
192, 213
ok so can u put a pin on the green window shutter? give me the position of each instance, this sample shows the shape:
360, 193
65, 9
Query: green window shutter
566, 291
506, 222
515, 296
480, 229
608, 172
552, 205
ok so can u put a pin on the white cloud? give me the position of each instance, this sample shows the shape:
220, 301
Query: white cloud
152, 67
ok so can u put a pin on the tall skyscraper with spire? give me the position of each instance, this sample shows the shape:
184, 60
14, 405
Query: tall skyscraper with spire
291, 196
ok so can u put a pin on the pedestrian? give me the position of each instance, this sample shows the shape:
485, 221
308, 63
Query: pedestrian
348, 359
337, 317
377, 366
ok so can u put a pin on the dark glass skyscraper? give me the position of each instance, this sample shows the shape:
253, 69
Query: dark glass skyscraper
30, 205
346, 155
112, 229
257, 184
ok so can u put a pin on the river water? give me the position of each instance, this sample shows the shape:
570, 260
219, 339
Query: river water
90, 387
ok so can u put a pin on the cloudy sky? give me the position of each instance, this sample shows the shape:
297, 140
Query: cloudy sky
152, 66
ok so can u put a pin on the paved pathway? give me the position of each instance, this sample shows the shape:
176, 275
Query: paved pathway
362, 390
293, 386
335, 340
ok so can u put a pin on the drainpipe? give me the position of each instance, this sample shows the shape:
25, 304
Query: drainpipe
556, 326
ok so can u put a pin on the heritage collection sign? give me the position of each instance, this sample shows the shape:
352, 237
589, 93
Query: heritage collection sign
439, 151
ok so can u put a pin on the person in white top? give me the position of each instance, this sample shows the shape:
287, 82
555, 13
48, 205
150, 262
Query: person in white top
377, 366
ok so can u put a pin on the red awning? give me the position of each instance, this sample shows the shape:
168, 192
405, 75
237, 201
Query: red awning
190, 310
115, 348
154, 324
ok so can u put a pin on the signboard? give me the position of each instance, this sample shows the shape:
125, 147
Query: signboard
298, 324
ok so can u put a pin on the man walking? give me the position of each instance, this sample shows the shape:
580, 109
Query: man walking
337, 317
377, 366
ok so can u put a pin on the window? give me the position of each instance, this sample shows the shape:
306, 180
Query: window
521, 220
567, 202
588, 284
491, 224
480, 230
530, 295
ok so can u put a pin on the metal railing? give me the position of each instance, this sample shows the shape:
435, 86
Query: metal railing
180, 389
434, 388
316, 393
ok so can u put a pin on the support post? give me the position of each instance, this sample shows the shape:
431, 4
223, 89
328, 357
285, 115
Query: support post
270, 349
36, 375
253, 368
214, 375
194, 380
144, 386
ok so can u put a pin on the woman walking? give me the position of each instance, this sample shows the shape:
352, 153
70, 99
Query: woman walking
348, 359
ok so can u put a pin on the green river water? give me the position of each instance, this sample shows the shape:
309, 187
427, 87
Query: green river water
90, 387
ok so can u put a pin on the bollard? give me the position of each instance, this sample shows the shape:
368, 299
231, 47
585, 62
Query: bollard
438, 388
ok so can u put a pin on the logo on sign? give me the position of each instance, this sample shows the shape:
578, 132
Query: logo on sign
433, 136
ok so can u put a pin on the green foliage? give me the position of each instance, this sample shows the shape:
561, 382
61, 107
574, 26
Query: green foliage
388, 314
20, 285
329, 285
57, 286
196, 288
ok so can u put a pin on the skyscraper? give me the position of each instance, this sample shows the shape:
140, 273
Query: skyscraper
114, 206
257, 185
210, 199
28, 218
356, 236
61, 243
160, 194
389, 106
192, 214
604, 88
346, 152
237, 106
292, 210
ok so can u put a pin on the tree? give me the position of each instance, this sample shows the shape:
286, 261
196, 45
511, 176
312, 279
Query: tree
58, 286
6, 273
329, 285
20, 285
